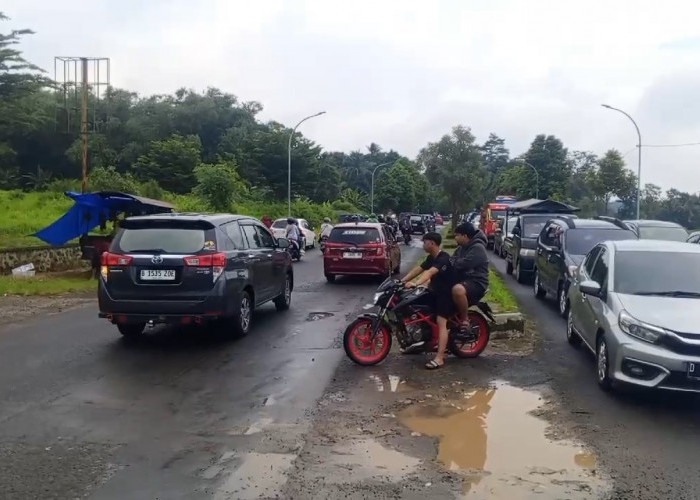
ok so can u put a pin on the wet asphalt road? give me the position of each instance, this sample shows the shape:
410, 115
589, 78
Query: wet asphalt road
647, 442
178, 414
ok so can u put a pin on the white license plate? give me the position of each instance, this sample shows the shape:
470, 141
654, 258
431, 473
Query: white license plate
352, 255
158, 274
693, 371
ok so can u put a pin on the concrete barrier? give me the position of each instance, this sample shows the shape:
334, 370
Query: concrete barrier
45, 259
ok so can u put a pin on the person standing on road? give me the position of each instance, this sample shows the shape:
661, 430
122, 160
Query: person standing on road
471, 265
436, 269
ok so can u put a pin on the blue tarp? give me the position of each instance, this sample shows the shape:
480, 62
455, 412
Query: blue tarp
91, 209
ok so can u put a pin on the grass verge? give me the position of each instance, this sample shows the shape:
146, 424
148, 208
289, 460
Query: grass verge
46, 284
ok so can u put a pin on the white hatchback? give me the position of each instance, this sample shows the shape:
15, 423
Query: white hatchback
280, 225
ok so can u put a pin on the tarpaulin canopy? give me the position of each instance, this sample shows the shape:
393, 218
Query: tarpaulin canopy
92, 209
535, 206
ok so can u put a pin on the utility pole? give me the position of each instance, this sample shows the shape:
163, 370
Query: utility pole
289, 161
84, 120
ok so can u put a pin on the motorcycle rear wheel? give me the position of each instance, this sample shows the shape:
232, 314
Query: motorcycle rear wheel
473, 349
356, 337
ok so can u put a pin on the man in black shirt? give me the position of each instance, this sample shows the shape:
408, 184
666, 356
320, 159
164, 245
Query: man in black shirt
437, 270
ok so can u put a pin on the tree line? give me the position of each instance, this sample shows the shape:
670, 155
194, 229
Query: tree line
212, 145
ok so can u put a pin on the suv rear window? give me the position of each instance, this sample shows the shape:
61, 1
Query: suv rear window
581, 241
663, 233
354, 235
162, 240
280, 224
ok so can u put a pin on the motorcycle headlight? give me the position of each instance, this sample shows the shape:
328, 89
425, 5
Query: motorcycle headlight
635, 328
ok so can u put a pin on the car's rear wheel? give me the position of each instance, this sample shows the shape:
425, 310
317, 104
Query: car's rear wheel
283, 301
509, 267
563, 300
519, 273
131, 330
537, 286
243, 318
330, 278
571, 336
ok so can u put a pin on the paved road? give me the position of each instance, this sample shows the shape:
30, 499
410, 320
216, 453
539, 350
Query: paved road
647, 441
175, 415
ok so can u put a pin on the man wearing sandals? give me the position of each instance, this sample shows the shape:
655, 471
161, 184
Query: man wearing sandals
471, 266
436, 269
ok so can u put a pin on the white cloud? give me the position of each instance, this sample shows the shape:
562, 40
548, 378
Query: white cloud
402, 73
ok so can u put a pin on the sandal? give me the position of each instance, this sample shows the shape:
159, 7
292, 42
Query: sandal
433, 365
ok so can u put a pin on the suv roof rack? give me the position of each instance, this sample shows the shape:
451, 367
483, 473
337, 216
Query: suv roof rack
612, 220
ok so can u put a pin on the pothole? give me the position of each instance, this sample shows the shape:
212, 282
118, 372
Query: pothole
490, 437
316, 316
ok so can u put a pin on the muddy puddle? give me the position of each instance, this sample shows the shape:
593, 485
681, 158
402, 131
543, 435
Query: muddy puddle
490, 438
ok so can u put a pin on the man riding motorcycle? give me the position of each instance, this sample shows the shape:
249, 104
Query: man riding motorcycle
436, 270
471, 266
293, 233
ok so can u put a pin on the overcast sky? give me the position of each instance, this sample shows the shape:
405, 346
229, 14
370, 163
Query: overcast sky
401, 73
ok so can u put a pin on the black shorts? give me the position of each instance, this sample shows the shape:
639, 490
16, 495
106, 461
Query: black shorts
475, 292
444, 304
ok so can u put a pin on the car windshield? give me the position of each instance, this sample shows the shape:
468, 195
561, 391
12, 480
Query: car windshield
280, 224
581, 241
663, 233
510, 225
495, 214
533, 226
657, 273
162, 240
354, 235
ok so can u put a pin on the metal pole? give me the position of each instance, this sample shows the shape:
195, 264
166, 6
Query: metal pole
371, 203
639, 159
289, 162
84, 121
537, 177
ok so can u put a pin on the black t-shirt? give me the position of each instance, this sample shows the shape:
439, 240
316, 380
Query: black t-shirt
444, 280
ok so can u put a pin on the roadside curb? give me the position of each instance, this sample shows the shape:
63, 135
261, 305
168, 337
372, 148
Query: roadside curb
507, 323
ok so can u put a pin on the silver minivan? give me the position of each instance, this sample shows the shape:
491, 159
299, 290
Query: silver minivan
636, 305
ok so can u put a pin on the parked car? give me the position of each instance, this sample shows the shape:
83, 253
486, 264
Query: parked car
192, 269
439, 220
361, 249
279, 228
635, 305
561, 247
694, 237
521, 253
418, 224
658, 230
504, 232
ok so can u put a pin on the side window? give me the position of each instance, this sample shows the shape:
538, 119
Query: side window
590, 260
306, 225
252, 236
266, 238
233, 230
600, 269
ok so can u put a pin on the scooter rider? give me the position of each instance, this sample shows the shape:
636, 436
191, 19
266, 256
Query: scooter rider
326, 228
293, 233
471, 265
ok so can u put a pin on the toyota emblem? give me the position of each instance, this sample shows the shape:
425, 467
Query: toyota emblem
157, 259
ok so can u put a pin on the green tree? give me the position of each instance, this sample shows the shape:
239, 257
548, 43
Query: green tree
612, 178
456, 165
496, 157
108, 179
550, 158
219, 184
171, 162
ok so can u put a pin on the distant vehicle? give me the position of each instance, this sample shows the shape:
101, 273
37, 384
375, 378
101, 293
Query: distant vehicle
418, 225
694, 237
561, 247
504, 234
192, 269
490, 215
429, 221
658, 230
439, 220
362, 248
635, 305
279, 228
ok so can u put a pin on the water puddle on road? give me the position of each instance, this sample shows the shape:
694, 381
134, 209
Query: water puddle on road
490, 437
390, 383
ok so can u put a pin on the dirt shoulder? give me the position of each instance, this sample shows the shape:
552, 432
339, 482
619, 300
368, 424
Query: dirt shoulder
16, 308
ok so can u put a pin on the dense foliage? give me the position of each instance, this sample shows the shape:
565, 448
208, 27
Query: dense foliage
210, 150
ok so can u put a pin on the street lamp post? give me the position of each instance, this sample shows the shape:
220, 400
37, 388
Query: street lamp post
289, 162
371, 203
537, 177
639, 158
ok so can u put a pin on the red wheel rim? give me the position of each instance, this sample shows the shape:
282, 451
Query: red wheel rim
364, 349
481, 339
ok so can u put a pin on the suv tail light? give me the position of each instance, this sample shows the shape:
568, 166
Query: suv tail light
113, 259
217, 262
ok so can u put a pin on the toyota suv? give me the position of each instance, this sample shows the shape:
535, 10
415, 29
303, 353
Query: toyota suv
192, 269
561, 247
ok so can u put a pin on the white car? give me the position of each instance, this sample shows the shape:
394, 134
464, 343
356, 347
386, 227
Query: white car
279, 228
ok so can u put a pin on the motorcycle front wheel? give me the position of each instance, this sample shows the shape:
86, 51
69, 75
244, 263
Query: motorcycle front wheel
467, 349
360, 348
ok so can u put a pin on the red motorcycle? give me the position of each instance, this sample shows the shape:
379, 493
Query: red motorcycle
408, 314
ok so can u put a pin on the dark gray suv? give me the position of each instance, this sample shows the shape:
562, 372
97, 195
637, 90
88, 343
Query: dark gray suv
192, 269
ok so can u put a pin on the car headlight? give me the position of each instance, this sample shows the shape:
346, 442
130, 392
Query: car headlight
527, 252
377, 296
635, 328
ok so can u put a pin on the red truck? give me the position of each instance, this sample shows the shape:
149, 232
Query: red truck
491, 214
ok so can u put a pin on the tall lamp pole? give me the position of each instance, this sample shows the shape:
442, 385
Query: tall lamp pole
639, 158
537, 177
371, 203
289, 162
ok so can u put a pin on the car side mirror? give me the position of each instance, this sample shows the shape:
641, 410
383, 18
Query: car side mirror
282, 242
590, 287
